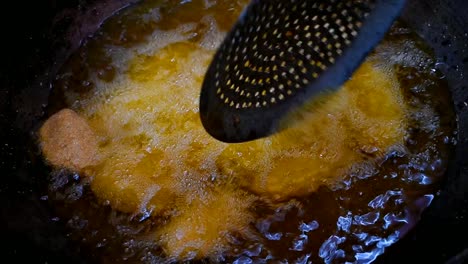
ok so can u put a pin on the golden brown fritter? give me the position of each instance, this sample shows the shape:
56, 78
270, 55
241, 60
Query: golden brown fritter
329, 135
205, 226
67, 141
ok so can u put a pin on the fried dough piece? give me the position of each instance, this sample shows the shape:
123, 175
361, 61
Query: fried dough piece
206, 226
364, 118
67, 141
157, 151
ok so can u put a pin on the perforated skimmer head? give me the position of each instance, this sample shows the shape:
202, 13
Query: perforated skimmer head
282, 52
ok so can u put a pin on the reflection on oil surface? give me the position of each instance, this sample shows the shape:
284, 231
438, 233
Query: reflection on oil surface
136, 178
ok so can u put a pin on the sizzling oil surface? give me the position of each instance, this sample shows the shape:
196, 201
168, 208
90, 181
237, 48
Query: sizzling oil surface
353, 219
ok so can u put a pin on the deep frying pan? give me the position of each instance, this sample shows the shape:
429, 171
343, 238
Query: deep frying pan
38, 36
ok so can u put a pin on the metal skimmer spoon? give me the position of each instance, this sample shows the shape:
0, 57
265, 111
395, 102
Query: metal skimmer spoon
280, 54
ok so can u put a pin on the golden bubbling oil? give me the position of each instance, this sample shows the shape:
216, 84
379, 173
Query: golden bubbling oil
166, 192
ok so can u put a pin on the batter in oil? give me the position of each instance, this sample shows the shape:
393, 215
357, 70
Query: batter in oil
137, 141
